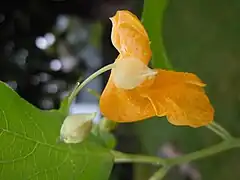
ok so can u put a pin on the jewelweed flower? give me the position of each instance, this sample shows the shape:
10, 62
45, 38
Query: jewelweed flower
135, 92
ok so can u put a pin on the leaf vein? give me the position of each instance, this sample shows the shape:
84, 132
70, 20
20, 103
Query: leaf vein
5, 119
38, 128
50, 169
20, 158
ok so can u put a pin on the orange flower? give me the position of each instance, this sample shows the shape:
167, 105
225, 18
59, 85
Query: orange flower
135, 92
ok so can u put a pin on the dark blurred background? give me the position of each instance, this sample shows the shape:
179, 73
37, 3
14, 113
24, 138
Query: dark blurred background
47, 45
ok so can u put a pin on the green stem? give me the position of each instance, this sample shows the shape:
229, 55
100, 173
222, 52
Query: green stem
223, 146
131, 158
120, 157
219, 130
223, 130
86, 81
160, 173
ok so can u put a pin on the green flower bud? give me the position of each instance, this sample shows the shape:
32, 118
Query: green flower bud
76, 128
107, 125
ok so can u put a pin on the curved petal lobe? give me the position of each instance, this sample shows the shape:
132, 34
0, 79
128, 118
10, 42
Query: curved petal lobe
182, 97
129, 36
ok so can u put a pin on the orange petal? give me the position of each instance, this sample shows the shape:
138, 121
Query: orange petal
191, 107
182, 97
129, 36
124, 105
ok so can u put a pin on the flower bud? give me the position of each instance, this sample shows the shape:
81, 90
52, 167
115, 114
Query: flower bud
107, 125
76, 128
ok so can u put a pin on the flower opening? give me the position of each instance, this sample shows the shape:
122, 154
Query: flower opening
130, 72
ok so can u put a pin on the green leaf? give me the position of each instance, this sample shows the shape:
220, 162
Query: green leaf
152, 18
29, 147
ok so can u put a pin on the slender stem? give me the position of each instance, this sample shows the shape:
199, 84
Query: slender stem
120, 157
86, 81
224, 131
131, 158
158, 175
223, 146
219, 130
75, 87
219, 133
